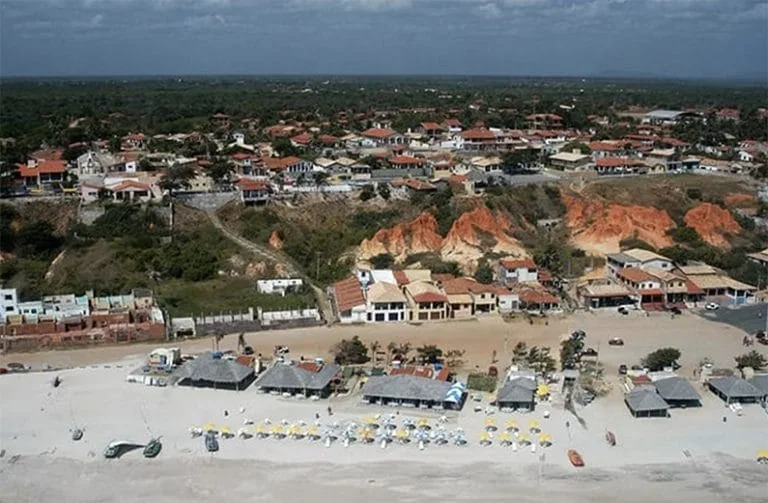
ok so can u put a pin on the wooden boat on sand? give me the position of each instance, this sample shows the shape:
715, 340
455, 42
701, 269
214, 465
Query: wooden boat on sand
610, 438
575, 458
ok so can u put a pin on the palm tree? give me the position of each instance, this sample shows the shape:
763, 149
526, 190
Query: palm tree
390, 351
320, 178
374, 347
519, 352
241, 341
402, 350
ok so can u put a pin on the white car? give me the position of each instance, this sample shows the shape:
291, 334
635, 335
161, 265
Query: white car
711, 306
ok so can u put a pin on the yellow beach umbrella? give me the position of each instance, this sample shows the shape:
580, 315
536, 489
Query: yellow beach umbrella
505, 437
370, 421
277, 430
401, 434
524, 439
225, 431
485, 437
261, 430
542, 390
210, 427
534, 426
423, 423
294, 430
762, 454
490, 423
312, 431
545, 439
512, 425
365, 434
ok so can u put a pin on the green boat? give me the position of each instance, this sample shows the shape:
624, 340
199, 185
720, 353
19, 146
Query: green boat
153, 448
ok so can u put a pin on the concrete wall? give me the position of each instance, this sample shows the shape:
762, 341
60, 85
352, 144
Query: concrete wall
207, 202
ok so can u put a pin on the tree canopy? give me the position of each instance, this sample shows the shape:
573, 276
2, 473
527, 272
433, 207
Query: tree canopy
664, 357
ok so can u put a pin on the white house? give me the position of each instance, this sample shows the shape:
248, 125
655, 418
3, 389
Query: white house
518, 270
279, 285
385, 302
9, 303
349, 301
638, 258
745, 156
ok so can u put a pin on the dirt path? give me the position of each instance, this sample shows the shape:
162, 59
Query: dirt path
265, 252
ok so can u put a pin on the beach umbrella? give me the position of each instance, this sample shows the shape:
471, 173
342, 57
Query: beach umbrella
402, 435
423, 424
293, 430
210, 427
312, 432
534, 426
542, 390
261, 431
278, 431
490, 424
511, 425
371, 422
226, 432
545, 439
505, 438
365, 435
523, 439
485, 438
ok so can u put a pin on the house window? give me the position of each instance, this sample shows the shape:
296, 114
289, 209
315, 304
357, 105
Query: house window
8, 309
394, 317
8, 297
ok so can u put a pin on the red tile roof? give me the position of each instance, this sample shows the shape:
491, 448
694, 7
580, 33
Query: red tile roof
250, 184
378, 133
443, 375
616, 162
430, 297
431, 126
418, 185
45, 167
673, 142
453, 122
535, 297
635, 275
457, 286
47, 154
552, 117
407, 160
650, 291
280, 163
328, 139
512, 264
348, 294
693, 288
309, 366
478, 134
602, 146
401, 278
302, 139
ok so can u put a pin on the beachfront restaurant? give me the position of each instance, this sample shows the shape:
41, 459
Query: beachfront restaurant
209, 370
760, 381
677, 392
413, 391
517, 394
643, 401
735, 389
302, 379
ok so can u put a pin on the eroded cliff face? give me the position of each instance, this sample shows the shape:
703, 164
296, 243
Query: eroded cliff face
598, 226
473, 234
275, 241
714, 224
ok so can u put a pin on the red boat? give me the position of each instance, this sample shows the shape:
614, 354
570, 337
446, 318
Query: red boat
575, 458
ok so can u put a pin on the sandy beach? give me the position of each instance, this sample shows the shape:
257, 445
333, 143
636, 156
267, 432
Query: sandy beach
693, 454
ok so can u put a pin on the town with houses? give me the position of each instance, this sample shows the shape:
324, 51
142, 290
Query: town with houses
419, 160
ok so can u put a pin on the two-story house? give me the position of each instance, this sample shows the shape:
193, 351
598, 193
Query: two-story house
426, 301
476, 140
291, 166
39, 173
638, 258
254, 192
381, 137
518, 270
385, 302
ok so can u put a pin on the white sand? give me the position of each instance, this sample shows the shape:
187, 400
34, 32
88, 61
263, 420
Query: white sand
36, 419
42, 463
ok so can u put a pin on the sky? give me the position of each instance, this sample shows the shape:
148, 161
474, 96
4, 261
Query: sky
664, 38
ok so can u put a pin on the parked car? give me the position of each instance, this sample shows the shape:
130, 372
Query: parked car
622, 369
623, 310
711, 306
589, 353
616, 341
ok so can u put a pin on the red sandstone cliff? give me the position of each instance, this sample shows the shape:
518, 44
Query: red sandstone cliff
598, 226
713, 224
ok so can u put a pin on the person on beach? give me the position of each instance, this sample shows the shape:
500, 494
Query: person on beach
330, 412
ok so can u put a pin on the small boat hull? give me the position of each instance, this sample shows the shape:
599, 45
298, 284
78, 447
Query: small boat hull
610, 438
575, 458
152, 449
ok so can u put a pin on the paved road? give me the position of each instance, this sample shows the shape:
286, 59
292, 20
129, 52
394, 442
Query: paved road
276, 256
748, 318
